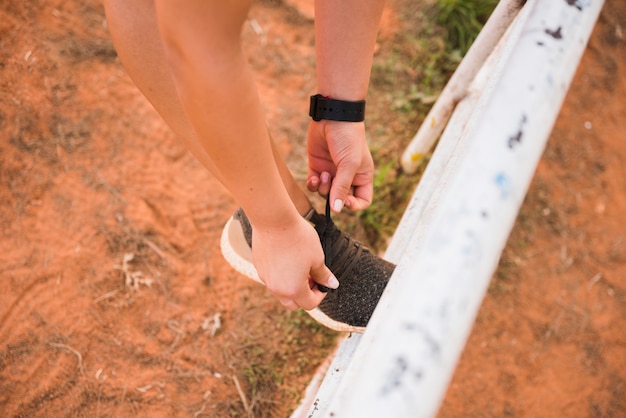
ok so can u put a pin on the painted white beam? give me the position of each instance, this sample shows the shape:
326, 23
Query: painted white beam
402, 365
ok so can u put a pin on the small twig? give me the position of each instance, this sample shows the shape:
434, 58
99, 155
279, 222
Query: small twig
106, 296
595, 279
102, 182
144, 389
153, 247
67, 347
204, 405
179, 333
197, 374
242, 395
201, 410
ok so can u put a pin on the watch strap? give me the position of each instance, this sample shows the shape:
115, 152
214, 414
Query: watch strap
340, 110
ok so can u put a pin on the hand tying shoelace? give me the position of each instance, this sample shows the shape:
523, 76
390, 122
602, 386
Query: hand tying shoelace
362, 275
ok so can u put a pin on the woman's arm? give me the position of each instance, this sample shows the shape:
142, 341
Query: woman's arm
346, 33
219, 96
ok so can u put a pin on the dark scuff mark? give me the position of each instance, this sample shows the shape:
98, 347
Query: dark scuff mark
431, 342
397, 378
402, 372
540, 43
517, 137
556, 34
575, 3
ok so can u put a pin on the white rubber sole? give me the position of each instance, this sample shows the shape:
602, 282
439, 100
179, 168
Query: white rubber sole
236, 251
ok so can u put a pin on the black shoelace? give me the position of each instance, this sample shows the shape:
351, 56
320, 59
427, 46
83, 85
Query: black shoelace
342, 264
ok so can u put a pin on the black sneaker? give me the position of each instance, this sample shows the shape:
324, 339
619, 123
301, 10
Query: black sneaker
362, 275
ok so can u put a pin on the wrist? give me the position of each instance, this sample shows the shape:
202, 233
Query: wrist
273, 219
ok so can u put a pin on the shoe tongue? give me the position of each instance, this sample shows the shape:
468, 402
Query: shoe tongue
241, 216
326, 231
318, 221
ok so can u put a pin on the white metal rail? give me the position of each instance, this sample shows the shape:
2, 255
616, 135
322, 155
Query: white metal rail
451, 236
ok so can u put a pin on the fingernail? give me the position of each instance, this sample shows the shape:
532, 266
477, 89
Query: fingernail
333, 283
325, 177
338, 205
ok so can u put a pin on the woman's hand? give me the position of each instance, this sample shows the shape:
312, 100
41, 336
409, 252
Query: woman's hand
290, 261
338, 154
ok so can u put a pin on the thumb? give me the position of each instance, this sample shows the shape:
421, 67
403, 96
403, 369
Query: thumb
341, 187
324, 278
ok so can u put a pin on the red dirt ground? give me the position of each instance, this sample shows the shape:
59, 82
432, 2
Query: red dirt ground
89, 174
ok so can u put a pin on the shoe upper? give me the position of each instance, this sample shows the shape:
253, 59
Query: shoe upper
362, 275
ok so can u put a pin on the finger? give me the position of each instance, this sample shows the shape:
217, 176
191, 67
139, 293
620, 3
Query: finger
289, 304
306, 299
311, 299
331, 283
319, 275
313, 183
360, 199
325, 182
342, 184
322, 275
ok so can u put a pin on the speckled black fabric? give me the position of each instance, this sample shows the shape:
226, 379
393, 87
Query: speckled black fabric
362, 275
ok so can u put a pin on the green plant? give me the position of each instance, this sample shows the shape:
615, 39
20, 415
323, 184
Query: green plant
393, 191
463, 20
409, 71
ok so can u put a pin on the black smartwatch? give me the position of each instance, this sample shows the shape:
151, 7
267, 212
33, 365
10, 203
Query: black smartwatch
341, 110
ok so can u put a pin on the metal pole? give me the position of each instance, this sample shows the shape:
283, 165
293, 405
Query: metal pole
406, 357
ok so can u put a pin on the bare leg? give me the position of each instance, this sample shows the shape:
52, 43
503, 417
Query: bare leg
134, 30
